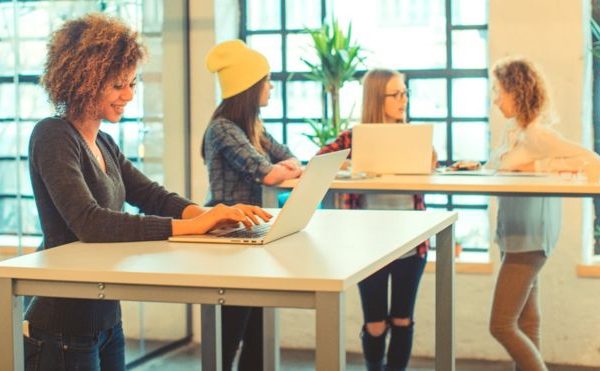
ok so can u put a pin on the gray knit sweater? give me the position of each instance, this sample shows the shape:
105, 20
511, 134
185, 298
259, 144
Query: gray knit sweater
77, 201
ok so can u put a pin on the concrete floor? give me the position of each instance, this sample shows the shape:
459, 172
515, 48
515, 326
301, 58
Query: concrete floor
188, 359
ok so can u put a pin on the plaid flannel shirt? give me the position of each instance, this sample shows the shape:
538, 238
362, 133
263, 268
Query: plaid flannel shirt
354, 200
235, 168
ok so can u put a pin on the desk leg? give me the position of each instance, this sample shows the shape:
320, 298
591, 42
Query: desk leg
211, 337
444, 300
271, 339
329, 200
269, 196
331, 350
11, 331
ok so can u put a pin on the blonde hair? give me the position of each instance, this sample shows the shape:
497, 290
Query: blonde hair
525, 83
83, 56
374, 84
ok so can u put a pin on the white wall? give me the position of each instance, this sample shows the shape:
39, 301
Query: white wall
552, 33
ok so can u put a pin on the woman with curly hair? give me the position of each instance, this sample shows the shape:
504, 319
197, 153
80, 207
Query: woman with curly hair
81, 181
528, 227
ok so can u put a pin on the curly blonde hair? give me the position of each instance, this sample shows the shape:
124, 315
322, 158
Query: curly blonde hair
521, 78
84, 55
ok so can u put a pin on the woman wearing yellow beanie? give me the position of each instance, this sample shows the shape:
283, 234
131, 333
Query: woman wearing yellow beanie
241, 156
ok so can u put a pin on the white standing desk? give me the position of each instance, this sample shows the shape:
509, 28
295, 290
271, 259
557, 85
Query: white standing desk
310, 269
494, 185
507, 185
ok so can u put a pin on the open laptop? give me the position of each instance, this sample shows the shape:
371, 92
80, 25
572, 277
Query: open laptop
392, 148
294, 215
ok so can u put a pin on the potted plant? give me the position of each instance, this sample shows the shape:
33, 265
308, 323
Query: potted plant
337, 60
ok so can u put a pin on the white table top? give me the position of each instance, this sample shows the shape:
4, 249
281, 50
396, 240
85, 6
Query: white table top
469, 184
336, 250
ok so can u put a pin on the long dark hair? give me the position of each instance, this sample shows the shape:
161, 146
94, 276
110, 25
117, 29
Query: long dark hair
243, 109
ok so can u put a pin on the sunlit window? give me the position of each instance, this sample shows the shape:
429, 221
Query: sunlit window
441, 46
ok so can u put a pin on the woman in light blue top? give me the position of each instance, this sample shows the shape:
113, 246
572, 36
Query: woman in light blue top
528, 227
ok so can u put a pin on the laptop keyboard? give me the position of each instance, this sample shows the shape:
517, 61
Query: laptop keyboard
257, 231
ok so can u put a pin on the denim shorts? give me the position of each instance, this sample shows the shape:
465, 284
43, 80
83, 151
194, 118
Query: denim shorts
46, 351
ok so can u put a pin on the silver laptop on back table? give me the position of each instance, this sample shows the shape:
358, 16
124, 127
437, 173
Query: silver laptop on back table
294, 215
392, 148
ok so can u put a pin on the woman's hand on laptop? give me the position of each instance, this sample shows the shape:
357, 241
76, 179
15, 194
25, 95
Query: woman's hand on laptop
220, 216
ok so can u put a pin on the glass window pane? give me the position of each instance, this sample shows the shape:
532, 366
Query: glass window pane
470, 141
469, 12
33, 102
274, 110
152, 95
7, 56
469, 49
304, 99
32, 56
24, 179
275, 129
439, 138
131, 139
471, 200
410, 34
7, 26
435, 199
34, 14
151, 145
299, 144
30, 220
8, 144
8, 180
473, 228
152, 16
263, 14
8, 216
299, 46
270, 46
7, 100
470, 97
427, 98
351, 101
26, 127
301, 14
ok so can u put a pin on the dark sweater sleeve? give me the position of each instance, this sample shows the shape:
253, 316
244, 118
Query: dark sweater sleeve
55, 157
148, 196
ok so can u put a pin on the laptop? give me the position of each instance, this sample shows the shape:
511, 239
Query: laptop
294, 215
392, 148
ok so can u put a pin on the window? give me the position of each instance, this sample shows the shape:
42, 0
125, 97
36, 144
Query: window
441, 46
23, 102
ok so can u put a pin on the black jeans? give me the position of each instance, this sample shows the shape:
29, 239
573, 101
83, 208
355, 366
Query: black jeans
405, 275
242, 324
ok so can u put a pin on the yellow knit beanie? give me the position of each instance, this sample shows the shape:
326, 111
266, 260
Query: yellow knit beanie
238, 66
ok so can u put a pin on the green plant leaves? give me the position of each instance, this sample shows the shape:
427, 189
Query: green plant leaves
338, 59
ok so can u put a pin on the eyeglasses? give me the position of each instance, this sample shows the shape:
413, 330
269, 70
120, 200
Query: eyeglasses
399, 94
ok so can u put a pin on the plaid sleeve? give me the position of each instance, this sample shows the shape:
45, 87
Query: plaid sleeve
277, 151
343, 141
230, 140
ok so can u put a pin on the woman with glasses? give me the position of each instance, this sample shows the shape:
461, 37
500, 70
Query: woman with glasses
385, 98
